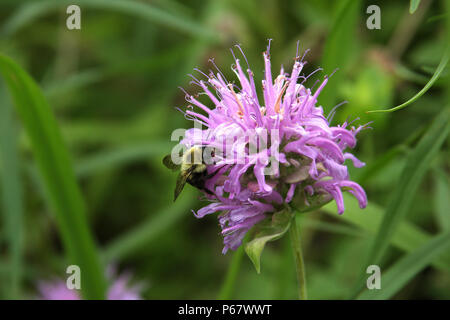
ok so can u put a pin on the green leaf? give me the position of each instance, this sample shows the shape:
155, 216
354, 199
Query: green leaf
407, 267
12, 194
265, 231
54, 163
413, 5
30, 11
436, 75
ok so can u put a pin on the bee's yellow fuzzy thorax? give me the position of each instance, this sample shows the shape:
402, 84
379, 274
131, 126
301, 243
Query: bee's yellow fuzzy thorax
193, 157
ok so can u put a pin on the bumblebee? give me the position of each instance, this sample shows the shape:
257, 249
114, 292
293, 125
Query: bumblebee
193, 170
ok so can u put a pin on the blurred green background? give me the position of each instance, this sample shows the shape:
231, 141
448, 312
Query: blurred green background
113, 88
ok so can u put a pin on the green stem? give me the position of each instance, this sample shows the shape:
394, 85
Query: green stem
230, 279
298, 258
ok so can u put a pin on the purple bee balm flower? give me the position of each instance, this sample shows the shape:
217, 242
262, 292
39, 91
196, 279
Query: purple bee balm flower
268, 152
119, 289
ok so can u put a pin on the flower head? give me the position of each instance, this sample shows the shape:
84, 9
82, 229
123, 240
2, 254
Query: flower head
270, 150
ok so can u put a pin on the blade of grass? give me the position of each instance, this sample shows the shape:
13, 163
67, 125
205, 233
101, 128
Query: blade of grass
397, 276
31, 11
413, 76
405, 29
413, 5
149, 230
160, 222
447, 25
437, 17
416, 165
339, 47
332, 227
147, 65
119, 156
381, 162
58, 176
436, 75
441, 199
408, 237
12, 195
107, 161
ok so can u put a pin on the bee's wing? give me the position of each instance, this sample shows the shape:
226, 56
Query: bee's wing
167, 161
181, 181
183, 177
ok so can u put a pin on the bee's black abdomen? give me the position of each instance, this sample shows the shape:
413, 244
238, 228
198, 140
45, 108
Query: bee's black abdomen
197, 179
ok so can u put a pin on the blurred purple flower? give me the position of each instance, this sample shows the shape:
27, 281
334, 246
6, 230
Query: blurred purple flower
57, 290
119, 289
286, 127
